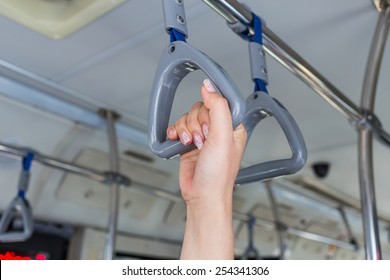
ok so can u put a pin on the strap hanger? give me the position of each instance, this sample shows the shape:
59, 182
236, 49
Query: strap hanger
177, 60
19, 206
260, 105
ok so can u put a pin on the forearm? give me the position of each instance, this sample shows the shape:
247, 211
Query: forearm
209, 231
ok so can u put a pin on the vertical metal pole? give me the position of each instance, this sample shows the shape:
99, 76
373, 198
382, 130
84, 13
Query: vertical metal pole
109, 247
366, 173
350, 236
279, 228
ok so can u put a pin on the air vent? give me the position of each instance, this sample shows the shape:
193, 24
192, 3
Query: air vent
56, 18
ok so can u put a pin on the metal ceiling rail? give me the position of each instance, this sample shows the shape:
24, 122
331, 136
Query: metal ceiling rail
234, 12
242, 217
19, 152
296, 232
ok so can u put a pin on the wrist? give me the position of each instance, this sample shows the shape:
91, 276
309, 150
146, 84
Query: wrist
209, 230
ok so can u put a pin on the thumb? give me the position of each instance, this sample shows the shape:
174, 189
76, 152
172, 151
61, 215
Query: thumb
221, 126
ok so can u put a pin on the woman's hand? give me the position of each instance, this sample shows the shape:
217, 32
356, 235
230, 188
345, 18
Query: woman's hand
210, 171
207, 174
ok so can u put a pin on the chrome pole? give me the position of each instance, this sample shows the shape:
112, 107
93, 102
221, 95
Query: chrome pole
279, 227
109, 247
19, 153
366, 172
233, 12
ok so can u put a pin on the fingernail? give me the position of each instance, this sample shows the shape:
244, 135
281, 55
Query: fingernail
209, 86
171, 132
185, 139
198, 141
205, 129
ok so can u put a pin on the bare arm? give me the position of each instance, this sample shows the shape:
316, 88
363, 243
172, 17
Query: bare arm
207, 175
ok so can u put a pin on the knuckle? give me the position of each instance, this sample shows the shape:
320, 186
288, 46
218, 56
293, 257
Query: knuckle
192, 123
196, 106
221, 101
182, 120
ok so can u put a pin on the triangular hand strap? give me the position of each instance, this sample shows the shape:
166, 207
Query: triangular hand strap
177, 60
260, 105
18, 207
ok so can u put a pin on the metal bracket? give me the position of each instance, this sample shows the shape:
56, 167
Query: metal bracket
113, 177
103, 112
371, 121
280, 226
238, 27
258, 62
380, 5
174, 16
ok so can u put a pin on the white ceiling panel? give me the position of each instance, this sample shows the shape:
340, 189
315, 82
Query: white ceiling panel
53, 58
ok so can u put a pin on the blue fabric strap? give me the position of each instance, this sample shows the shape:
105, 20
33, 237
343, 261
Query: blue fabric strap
258, 27
251, 222
27, 161
260, 85
257, 24
22, 194
26, 164
176, 35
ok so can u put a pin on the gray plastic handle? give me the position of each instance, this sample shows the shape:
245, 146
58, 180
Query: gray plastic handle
177, 60
18, 207
259, 106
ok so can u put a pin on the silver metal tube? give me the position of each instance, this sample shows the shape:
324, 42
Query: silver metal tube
366, 172
278, 222
234, 12
19, 152
231, 11
320, 238
367, 196
346, 223
109, 247
296, 232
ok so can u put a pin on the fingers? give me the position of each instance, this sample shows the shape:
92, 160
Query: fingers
213, 115
182, 130
192, 127
220, 121
204, 121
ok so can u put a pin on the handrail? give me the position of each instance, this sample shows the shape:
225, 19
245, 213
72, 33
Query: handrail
234, 12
